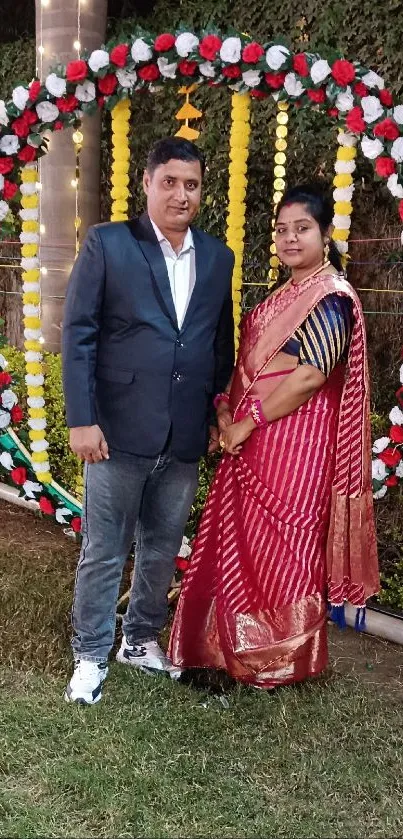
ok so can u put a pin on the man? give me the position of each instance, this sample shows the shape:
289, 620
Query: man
147, 343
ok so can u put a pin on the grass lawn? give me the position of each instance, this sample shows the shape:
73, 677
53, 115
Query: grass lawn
157, 759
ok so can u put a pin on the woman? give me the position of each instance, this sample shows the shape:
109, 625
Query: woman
288, 525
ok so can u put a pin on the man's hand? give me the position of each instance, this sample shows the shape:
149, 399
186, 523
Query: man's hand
224, 416
88, 443
213, 443
235, 435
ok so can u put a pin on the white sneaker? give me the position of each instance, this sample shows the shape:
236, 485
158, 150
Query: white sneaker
147, 657
85, 685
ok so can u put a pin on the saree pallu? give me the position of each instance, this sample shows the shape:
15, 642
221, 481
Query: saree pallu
289, 522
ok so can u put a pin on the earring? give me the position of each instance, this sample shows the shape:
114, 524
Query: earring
326, 252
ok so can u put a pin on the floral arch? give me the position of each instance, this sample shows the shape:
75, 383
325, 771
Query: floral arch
352, 96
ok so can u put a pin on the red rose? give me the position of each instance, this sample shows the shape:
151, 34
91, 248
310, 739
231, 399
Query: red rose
182, 563
232, 72
31, 117
392, 481
399, 393
5, 379
332, 112
34, 90
354, 120
385, 166
76, 71
360, 89
9, 189
401, 209
58, 125
388, 129
75, 524
6, 165
343, 72
46, 506
209, 46
275, 80
252, 52
300, 64
20, 126
107, 85
258, 94
390, 457
101, 101
386, 98
149, 73
187, 68
19, 475
27, 154
164, 42
119, 55
16, 413
67, 104
317, 95
396, 434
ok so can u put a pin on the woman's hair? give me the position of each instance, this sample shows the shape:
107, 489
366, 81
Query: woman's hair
320, 208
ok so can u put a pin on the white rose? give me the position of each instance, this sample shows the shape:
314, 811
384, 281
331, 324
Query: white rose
20, 97
3, 113
231, 50
251, 78
98, 59
372, 108
319, 71
30, 488
345, 100
47, 111
276, 56
8, 399
4, 208
207, 69
237, 86
4, 418
126, 78
378, 470
9, 144
396, 416
380, 444
55, 85
371, 148
344, 138
6, 460
343, 193
397, 150
186, 43
141, 51
85, 92
372, 79
380, 493
3, 362
394, 186
292, 85
397, 114
168, 70
342, 222
399, 469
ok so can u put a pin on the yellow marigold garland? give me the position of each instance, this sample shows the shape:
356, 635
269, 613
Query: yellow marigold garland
343, 191
239, 151
34, 377
121, 160
279, 172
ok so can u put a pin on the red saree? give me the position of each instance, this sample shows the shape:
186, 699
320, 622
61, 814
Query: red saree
288, 524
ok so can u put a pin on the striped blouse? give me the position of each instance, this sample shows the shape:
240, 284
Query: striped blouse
323, 338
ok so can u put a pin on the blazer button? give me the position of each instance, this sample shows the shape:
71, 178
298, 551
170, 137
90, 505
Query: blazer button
178, 343
176, 376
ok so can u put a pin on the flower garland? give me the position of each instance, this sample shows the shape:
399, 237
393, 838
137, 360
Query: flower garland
387, 466
350, 94
34, 377
121, 161
280, 159
343, 192
238, 153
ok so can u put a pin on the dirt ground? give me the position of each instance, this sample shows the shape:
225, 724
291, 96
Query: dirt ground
37, 568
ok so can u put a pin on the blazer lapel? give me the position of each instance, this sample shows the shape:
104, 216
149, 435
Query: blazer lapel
143, 231
203, 258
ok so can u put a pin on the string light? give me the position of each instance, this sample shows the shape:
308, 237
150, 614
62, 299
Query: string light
42, 229
74, 183
77, 46
41, 339
44, 271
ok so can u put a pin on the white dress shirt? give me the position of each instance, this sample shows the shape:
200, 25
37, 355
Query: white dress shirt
181, 269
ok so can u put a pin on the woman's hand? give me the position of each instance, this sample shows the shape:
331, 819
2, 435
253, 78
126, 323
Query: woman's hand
224, 416
235, 435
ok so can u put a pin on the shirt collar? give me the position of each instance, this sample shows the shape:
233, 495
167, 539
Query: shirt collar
187, 242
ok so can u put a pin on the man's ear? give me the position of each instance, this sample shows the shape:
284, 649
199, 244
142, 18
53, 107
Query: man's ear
146, 181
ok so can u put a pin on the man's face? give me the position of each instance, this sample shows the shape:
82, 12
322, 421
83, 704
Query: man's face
173, 193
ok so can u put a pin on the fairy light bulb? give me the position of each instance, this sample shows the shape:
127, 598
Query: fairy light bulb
78, 137
77, 45
41, 50
41, 340
42, 228
74, 183
44, 271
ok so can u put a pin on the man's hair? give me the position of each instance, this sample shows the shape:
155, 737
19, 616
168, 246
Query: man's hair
174, 148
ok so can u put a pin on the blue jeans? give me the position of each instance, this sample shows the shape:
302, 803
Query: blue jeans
127, 496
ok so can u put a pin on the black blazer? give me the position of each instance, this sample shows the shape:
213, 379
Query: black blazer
126, 364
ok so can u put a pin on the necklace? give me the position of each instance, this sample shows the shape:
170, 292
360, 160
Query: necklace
314, 273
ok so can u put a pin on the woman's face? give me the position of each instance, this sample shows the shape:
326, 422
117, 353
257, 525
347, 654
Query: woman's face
299, 240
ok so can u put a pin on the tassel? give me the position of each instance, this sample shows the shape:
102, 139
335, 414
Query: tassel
360, 620
337, 615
